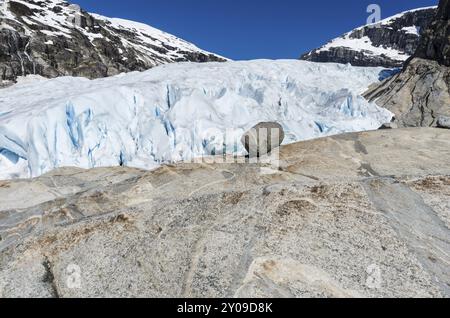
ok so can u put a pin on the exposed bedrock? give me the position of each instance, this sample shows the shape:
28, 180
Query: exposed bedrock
355, 215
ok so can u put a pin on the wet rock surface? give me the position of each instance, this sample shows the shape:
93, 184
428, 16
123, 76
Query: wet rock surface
354, 215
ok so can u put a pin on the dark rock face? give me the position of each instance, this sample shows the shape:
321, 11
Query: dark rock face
397, 37
420, 94
52, 38
388, 126
435, 44
345, 55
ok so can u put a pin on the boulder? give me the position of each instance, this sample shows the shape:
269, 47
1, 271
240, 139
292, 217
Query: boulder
263, 138
443, 122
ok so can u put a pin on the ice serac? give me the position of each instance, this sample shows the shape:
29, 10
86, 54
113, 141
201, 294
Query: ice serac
388, 43
176, 112
54, 38
420, 94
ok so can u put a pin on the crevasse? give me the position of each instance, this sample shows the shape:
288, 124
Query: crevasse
176, 112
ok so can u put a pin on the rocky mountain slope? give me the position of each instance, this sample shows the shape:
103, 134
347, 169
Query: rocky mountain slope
389, 43
435, 42
53, 38
354, 215
420, 94
176, 112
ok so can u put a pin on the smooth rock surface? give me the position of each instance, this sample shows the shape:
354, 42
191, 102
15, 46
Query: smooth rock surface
355, 215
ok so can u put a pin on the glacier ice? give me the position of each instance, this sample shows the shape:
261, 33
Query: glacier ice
175, 112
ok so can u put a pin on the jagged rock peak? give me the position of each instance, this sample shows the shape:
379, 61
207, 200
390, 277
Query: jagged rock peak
435, 44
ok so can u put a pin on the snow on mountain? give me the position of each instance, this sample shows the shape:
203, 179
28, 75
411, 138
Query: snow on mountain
53, 38
175, 112
388, 43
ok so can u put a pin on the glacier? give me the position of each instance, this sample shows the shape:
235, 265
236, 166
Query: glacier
175, 112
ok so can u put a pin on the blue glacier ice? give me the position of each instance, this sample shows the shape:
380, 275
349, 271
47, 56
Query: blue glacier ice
176, 112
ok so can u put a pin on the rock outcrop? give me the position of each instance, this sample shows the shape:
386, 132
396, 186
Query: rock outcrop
417, 96
389, 43
354, 215
420, 94
53, 38
435, 42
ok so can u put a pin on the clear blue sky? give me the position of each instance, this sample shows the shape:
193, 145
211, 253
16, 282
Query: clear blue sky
250, 29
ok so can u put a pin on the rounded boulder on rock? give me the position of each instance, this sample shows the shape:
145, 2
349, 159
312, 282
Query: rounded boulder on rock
263, 138
443, 122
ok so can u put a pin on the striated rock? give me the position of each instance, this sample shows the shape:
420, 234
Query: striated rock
263, 138
417, 96
320, 226
54, 38
389, 43
420, 94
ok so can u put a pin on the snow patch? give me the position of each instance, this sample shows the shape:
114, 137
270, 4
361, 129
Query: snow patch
412, 30
364, 45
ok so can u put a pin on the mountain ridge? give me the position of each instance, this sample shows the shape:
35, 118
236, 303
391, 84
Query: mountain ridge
53, 38
388, 43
